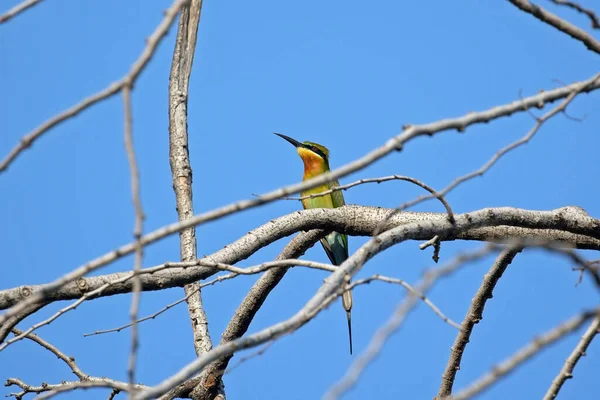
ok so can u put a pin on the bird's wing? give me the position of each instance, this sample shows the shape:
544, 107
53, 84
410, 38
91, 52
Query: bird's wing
337, 197
336, 247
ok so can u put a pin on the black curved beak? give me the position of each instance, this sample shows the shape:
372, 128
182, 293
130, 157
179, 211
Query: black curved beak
294, 142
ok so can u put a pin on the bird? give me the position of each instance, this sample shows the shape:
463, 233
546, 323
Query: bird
316, 162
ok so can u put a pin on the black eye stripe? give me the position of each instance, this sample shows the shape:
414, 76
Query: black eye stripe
319, 152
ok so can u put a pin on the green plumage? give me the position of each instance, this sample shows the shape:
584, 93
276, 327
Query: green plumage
316, 162
335, 244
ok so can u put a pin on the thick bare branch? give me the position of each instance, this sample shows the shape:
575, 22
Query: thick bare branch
474, 316
209, 381
558, 23
393, 144
181, 168
334, 284
569, 224
7, 326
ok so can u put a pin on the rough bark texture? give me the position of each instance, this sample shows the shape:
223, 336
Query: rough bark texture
210, 380
181, 68
474, 316
571, 219
569, 225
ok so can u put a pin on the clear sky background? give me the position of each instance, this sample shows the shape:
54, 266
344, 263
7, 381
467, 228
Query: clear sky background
344, 74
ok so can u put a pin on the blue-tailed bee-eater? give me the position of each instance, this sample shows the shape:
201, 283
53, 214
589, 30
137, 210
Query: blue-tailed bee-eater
316, 161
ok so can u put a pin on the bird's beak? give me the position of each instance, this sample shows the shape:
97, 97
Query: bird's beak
289, 139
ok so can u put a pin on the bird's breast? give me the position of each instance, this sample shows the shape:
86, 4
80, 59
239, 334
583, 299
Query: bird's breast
324, 201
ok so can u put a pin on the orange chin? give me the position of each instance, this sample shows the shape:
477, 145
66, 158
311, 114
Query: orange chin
313, 163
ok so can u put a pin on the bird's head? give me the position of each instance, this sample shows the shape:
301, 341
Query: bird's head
314, 155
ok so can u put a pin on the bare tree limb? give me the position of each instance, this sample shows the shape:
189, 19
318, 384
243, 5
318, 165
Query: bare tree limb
114, 88
181, 169
474, 316
561, 108
589, 13
353, 220
397, 319
137, 231
567, 370
558, 23
70, 361
11, 322
19, 8
569, 224
209, 381
433, 192
393, 144
523, 354
334, 286
85, 380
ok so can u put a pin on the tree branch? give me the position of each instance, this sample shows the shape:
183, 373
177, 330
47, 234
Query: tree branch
207, 384
334, 284
85, 380
569, 225
181, 169
393, 144
567, 370
137, 230
397, 319
114, 88
535, 347
539, 121
589, 13
558, 23
19, 8
474, 316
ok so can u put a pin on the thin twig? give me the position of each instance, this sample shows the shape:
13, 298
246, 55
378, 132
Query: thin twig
590, 14
114, 88
417, 182
522, 355
137, 232
567, 370
70, 361
498, 155
324, 267
395, 321
51, 390
235, 271
558, 23
19, 8
85, 380
411, 290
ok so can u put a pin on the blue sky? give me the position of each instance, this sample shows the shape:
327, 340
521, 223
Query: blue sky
342, 74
